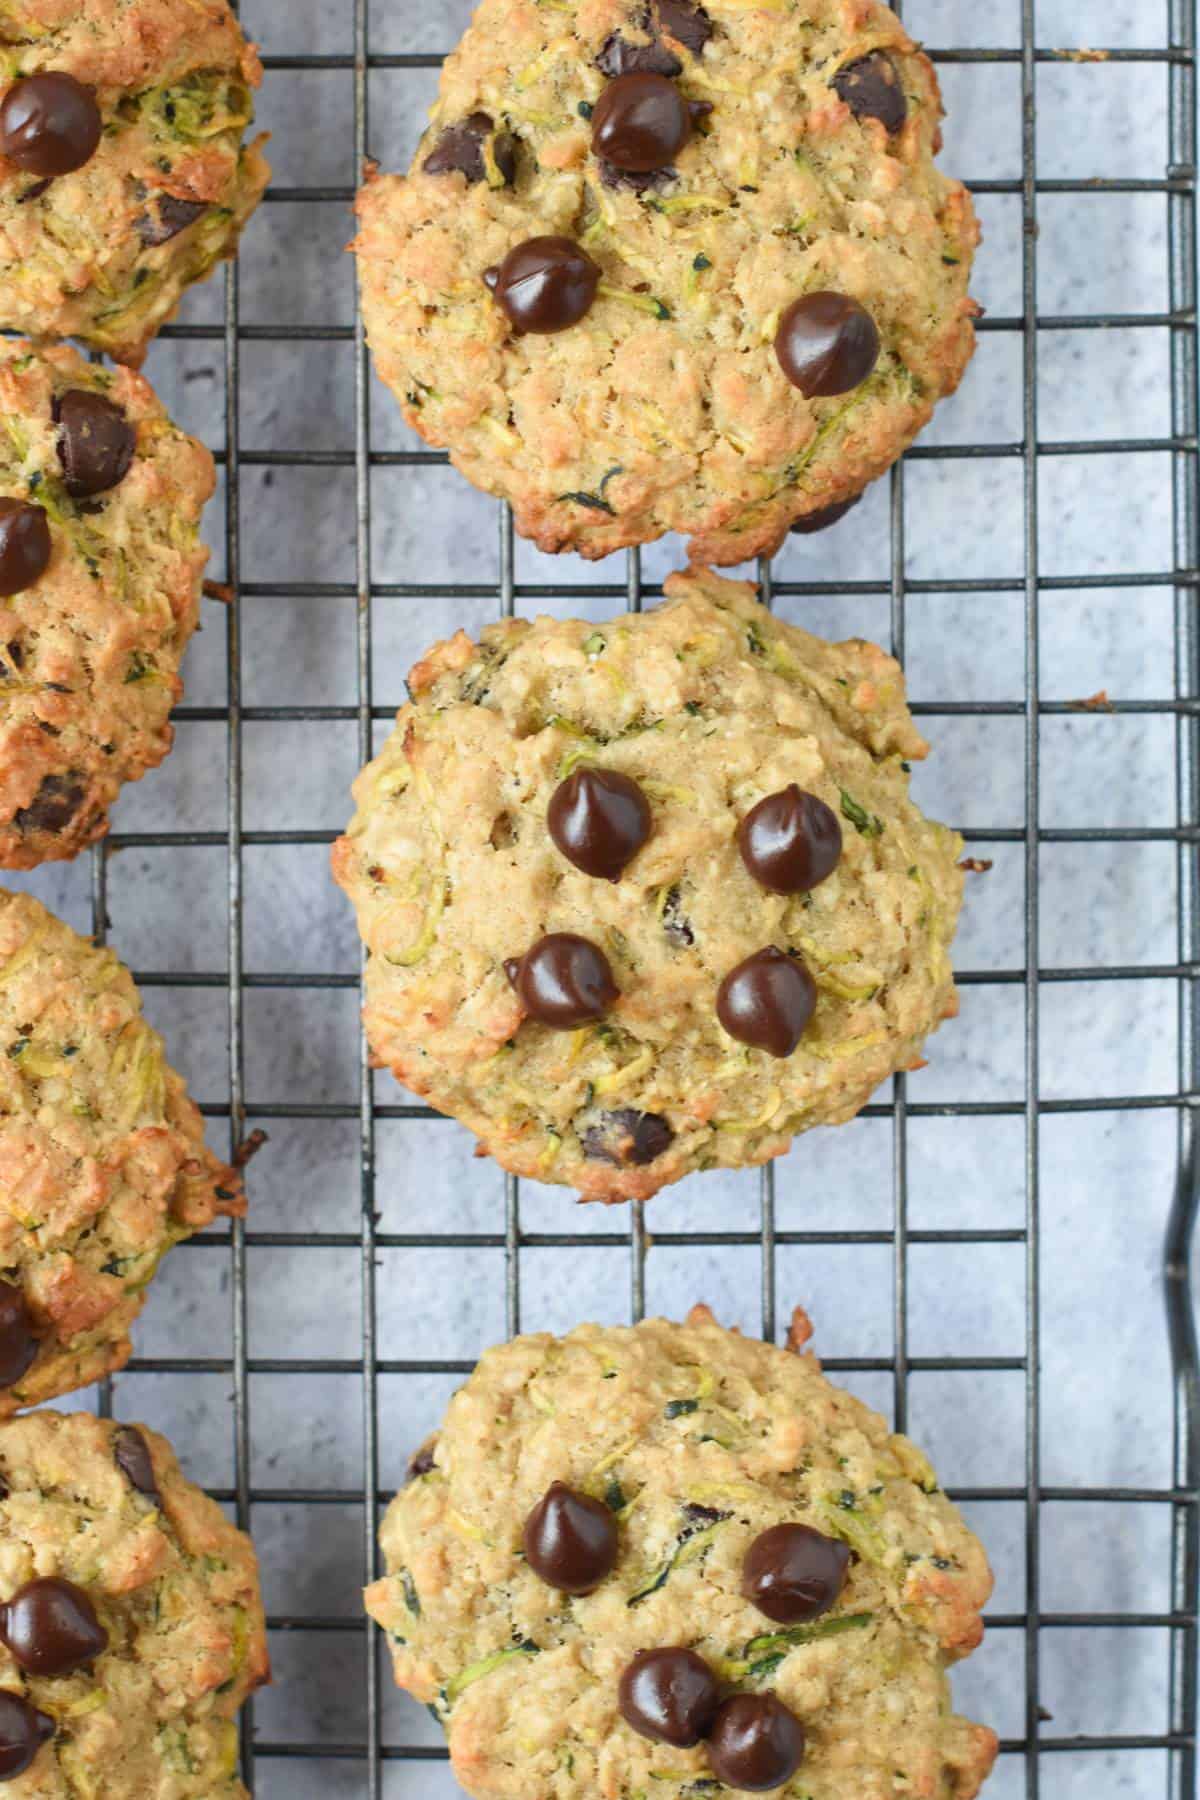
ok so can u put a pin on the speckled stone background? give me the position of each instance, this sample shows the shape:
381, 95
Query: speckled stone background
1106, 1176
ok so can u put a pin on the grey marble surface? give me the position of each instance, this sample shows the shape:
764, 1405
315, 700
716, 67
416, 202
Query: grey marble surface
1106, 1177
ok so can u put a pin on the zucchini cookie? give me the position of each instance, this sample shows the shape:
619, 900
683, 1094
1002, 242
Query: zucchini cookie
662, 266
100, 565
669, 1560
649, 897
131, 1628
123, 172
103, 1165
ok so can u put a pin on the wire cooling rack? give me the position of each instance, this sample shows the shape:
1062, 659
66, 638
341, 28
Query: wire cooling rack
380, 1756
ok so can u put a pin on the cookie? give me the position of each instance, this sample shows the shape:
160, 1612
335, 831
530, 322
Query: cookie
103, 1165
661, 266
124, 176
649, 897
131, 1627
100, 565
668, 1560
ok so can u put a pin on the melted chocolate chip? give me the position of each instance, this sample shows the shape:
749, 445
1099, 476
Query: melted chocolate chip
824, 517
627, 1138
422, 1463
23, 1731
689, 25
826, 344
599, 819
18, 1346
767, 1001
793, 1573
49, 124
871, 89
24, 545
131, 1454
51, 1628
669, 1695
755, 1743
165, 217
460, 150
791, 841
53, 806
545, 284
641, 123
96, 442
564, 981
570, 1540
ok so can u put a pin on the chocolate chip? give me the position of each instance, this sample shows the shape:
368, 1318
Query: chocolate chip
49, 124
422, 1463
96, 442
689, 25
824, 517
24, 545
545, 284
627, 1138
570, 1540
791, 841
793, 1573
641, 123
51, 1628
619, 57
18, 1346
826, 344
23, 1731
564, 981
767, 1001
599, 819
131, 1454
165, 217
53, 806
755, 1743
460, 149
669, 1695
871, 88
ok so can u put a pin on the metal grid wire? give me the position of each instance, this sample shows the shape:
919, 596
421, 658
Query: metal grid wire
1036, 1744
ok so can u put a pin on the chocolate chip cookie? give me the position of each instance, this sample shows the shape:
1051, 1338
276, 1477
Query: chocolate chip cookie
669, 266
668, 1560
131, 1627
100, 565
124, 176
103, 1165
649, 897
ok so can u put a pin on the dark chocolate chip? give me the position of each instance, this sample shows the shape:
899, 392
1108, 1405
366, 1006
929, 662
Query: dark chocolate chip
689, 25
669, 1695
131, 1453
824, 517
767, 1001
755, 1743
791, 841
96, 442
49, 124
18, 1346
627, 1138
545, 284
460, 150
641, 123
871, 88
51, 1627
53, 806
565, 981
619, 57
422, 1463
165, 217
599, 819
24, 545
23, 1731
570, 1540
826, 344
793, 1573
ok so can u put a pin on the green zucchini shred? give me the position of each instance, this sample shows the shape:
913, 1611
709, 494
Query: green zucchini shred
867, 824
487, 1665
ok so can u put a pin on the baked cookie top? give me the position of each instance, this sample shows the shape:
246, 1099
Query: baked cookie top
100, 563
680, 1446
123, 172
103, 1165
681, 793
748, 330
131, 1628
